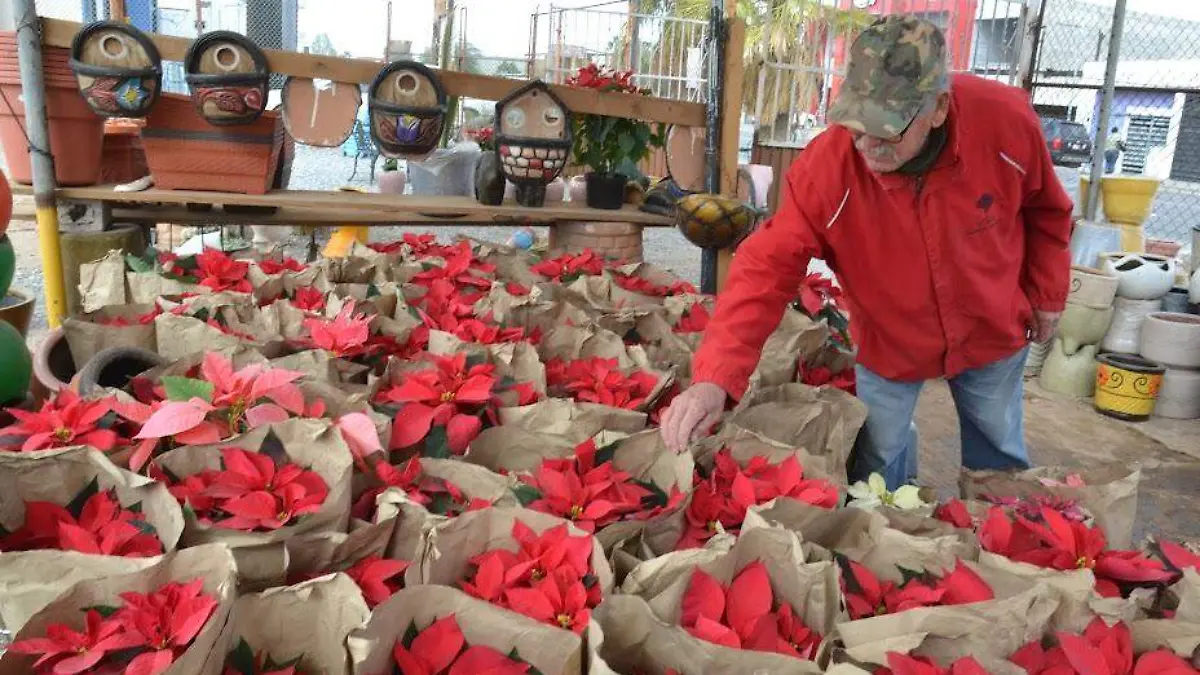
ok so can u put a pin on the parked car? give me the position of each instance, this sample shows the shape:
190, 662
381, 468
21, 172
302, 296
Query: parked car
1069, 142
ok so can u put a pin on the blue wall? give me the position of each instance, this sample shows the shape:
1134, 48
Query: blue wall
1123, 100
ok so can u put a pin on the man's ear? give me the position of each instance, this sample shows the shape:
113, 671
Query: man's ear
941, 111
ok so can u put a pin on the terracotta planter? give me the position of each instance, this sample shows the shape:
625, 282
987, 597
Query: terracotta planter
1070, 374
1127, 386
115, 367
1163, 247
1179, 395
53, 367
1125, 331
1083, 325
185, 152
1172, 339
76, 134
1141, 276
123, 159
1092, 287
392, 182
16, 308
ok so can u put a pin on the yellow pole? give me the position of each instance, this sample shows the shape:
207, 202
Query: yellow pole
49, 245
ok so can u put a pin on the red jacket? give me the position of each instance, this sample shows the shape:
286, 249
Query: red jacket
938, 278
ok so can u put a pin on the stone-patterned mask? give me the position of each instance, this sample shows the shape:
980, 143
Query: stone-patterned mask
533, 134
118, 69
408, 110
320, 113
228, 76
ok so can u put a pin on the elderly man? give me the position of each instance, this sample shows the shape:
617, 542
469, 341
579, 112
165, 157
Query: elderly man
935, 203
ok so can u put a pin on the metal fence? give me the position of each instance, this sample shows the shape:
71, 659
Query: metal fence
1154, 120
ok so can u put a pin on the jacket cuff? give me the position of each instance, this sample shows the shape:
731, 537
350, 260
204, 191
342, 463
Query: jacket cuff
734, 384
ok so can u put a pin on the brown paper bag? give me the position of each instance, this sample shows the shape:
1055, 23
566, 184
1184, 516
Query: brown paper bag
475, 482
206, 654
552, 651
313, 444
271, 286
322, 553
1110, 493
31, 579
450, 546
309, 621
352, 270
144, 287
182, 336
635, 641
572, 420
1181, 637
102, 282
796, 340
86, 335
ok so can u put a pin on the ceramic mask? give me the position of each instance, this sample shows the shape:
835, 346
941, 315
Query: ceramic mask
228, 77
533, 134
320, 112
117, 68
408, 110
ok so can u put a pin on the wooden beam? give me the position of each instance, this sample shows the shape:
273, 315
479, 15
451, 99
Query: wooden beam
58, 33
731, 124
116, 10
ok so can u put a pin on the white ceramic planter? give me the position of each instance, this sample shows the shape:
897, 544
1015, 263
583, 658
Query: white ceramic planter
1083, 325
1073, 375
1092, 287
1172, 339
1141, 276
1124, 334
1179, 395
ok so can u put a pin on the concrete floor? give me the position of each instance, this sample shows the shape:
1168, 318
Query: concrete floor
1067, 432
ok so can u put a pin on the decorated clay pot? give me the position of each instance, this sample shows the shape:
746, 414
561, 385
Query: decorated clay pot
16, 308
1141, 276
117, 68
320, 112
489, 182
392, 182
228, 78
1124, 334
1172, 339
1083, 325
53, 366
1179, 395
713, 221
686, 157
533, 137
1092, 287
1127, 386
16, 365
1070, 374
407, 110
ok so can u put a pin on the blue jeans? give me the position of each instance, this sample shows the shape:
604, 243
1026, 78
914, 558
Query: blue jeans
991, 417
1110, 160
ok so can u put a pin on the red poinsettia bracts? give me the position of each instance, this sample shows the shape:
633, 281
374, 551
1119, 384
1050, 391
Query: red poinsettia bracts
446, 309
1176, 557
250, 493
721, 498
867, 595
378, 578
139, 320
903, 664
450, 395
438, 495
62, 421
820, 376
587, 490
955, 512
419, 245
461, 270
97, 525
599, 380
216, 270
817, 291
344, 336
549, 578
244, 661
644, 286
602, 78
143, 637
1061, 544
694, 320
569, 267
745, 615
308, 299
1101, 650
284, 264
441, 649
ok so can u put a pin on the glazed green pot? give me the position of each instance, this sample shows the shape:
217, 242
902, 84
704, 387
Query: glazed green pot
8, 264
16, 365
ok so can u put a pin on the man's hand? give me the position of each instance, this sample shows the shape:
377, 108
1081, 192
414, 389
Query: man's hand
1047, 323
692, 414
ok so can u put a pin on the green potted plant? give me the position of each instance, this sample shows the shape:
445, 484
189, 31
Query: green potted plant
391, 181
611, 146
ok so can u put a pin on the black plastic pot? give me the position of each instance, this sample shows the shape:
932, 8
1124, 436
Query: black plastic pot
605, 190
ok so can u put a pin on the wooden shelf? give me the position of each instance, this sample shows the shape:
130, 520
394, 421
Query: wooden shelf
306, 207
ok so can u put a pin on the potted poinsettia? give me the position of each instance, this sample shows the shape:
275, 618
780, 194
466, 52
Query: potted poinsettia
611, 146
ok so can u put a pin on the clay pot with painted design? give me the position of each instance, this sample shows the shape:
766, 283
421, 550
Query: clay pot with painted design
228, 77
1127, 386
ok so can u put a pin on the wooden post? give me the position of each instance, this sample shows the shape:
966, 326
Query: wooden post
116, 10
731, 122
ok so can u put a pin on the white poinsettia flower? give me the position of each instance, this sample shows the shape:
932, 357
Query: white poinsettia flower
873, 493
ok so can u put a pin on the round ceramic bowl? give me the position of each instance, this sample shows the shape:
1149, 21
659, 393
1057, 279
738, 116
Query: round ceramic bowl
1172, 339
1141, 276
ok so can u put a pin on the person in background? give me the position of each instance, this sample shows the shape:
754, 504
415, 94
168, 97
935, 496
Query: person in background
933, 199
1113, 147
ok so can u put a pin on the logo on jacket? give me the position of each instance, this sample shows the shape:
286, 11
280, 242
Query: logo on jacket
986, 218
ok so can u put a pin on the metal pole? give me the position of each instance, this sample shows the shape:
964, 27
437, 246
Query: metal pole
1028, 63
29, 50
1110, 81
712, 136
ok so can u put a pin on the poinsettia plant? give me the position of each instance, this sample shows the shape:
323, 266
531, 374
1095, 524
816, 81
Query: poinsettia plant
94, 521
549, 578
600, 380
438, 495
250, 492
819, 376
612, 144
1101, 650
955, 512
461, 269
243, 660
1030, 506
446, 308
442, 649
588, 490
568, 267
65, 419
144, 635
211, 268
867, 595
694, 320
720, 498
280, 265
1061, 544
820, 300
418, 245
485, 137
904, 664
636, 284
745, 615
377, 577
144, 319
346, 335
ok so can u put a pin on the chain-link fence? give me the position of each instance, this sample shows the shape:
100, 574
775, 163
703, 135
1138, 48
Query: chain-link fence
1154, 120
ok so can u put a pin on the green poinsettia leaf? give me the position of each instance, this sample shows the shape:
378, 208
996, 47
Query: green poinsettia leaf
657, 498
410, 634
437, 444
526, 494
605, 454
241, 658
75, 508
202, 314
140, 263
186, 388
442, 504
103, 610
144, 527
920, 576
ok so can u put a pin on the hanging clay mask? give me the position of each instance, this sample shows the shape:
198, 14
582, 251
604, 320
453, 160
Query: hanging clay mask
533, 137
228, 76
320, 112
408, 110
685, 157
117, 68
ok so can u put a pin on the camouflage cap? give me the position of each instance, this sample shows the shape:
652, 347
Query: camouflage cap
895, 64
